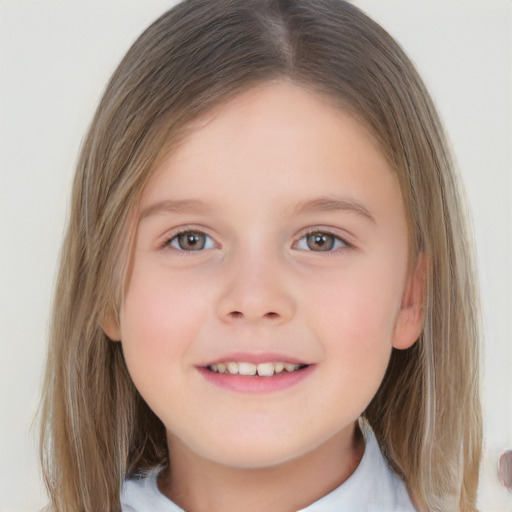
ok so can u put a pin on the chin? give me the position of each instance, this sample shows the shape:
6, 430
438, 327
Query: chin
253, 460
259, 453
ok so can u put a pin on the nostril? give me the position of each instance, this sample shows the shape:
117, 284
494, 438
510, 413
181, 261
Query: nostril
238, 314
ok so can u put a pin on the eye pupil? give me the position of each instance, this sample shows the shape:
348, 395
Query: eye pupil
320, 241
191, 241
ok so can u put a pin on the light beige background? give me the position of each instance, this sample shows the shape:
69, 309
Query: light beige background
55, 58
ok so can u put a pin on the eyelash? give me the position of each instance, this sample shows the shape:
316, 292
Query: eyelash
338, 243
209, 243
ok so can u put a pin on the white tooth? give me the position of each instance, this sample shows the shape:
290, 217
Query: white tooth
213, 367
221, 367
232, 367
266, 369
246, 369
290, 367
278, 367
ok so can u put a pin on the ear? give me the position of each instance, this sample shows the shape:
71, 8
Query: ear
410, 317
112, 328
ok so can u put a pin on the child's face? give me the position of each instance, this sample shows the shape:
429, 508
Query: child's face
275, 233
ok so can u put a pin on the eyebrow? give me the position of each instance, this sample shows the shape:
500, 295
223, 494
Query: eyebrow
320, 204
173, 205
334, 203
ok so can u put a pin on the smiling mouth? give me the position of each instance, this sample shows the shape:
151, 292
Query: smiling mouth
251, 369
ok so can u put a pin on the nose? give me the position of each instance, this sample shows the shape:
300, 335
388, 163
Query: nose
256, 288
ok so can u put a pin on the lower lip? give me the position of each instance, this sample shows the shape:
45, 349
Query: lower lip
255, 384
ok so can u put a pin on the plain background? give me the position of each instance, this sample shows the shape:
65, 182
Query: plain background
55, 58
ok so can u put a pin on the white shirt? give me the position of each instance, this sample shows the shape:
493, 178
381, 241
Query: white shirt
373, 487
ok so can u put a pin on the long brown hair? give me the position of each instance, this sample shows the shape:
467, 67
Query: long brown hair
95, 428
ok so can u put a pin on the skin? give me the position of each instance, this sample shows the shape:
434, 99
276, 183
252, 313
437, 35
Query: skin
261, 173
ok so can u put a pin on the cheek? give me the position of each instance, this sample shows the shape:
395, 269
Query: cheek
158, 320
360, 305
354, 313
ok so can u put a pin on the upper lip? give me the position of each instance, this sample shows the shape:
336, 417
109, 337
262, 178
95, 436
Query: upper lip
268, 357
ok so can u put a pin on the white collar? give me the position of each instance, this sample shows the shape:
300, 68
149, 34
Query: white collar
373, 487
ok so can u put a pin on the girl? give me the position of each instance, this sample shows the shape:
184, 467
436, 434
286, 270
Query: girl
266, 297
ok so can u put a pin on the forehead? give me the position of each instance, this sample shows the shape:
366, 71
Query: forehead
276, 150
276, 133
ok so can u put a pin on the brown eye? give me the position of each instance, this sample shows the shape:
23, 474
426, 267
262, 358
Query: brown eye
320, 241
191, 241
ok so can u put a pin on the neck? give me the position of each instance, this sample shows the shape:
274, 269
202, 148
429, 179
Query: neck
199, 485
